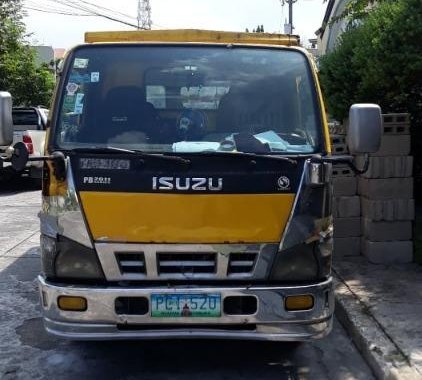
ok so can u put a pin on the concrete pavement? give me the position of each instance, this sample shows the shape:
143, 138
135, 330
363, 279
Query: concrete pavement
27, 352
381, 308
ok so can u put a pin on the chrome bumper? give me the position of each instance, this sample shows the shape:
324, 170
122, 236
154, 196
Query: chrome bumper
270, 322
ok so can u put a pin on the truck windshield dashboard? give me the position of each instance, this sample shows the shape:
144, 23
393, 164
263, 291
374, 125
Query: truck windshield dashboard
189, 99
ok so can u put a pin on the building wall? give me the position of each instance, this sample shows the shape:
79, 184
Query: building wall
45, 54
328, 34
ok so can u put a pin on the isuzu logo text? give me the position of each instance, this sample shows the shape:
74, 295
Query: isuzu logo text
185, 184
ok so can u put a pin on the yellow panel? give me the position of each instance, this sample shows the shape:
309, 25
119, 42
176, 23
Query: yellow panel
186, 218
192, 35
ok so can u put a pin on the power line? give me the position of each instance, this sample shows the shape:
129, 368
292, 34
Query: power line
80, 7
56, 12
107, 9
32, 5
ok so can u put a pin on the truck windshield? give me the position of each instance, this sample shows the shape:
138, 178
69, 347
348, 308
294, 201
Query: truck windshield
189, 99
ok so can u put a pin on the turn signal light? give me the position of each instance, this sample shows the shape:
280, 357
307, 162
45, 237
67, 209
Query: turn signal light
71, 303
299, 303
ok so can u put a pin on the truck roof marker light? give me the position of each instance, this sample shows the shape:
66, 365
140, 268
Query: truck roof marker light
72, 303
301, 302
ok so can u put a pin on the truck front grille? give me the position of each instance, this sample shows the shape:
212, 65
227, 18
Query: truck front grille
131, 262
186, 263
181, 262
241, 263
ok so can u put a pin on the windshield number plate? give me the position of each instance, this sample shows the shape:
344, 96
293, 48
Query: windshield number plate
186, 305
97, 180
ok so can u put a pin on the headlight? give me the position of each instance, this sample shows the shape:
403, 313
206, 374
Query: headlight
66, 259
303, 262
48, 255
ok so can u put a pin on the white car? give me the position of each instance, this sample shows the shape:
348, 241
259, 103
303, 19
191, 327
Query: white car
29, 124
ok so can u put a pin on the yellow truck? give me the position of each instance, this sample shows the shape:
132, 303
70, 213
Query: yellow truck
187, 188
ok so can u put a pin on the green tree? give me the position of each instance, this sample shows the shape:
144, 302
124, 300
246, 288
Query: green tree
28, 83
357, 9
379, 60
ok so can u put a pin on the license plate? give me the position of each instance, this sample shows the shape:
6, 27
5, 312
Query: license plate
185, 305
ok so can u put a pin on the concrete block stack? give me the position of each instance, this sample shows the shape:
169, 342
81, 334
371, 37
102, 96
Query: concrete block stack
346, 205
386, 192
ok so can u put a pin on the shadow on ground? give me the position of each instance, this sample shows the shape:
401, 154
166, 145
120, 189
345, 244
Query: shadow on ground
20, 184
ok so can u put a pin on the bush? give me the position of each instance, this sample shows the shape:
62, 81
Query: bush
378, 61
19, 73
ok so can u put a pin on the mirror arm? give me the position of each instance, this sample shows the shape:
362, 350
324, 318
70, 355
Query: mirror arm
59, 161
19, 158
346, 160
55, 156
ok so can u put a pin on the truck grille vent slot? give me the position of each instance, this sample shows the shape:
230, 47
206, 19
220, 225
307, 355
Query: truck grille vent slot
186, 263
240, 263
131, 262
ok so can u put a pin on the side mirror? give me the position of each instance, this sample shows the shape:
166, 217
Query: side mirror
365, 128
20, 156
6, 123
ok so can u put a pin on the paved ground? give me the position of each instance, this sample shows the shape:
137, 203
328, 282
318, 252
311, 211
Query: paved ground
26, 352
391, 298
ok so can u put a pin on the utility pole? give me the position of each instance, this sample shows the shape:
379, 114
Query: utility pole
288, 28
144, 15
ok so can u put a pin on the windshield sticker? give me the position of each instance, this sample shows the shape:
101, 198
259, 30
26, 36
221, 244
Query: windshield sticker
69, 103
69, 132
80, 63
95, 77
78, 103
104, 163
71, 88
79, 78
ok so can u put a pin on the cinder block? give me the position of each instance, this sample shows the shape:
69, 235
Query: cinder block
396, 118
396, 129
346, 207
336, 128
349, 246
344, 186
396, 123
347, 227
342, 171
338, 144
388, 210
390, 188
389, 252
387, 167
386, 231
394, 145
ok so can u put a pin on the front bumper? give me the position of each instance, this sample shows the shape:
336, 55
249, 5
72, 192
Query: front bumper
270, 322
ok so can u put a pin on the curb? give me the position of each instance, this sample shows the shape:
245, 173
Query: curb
380, 352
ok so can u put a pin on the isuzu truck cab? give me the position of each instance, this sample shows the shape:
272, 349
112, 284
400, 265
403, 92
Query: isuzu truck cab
187, 189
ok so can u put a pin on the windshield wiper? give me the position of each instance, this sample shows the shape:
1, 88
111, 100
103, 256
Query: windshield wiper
138, 153
250, 155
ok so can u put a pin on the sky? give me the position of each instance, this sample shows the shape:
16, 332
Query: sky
62, 31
